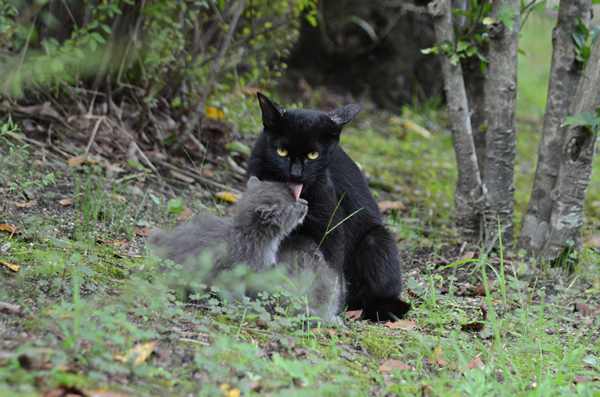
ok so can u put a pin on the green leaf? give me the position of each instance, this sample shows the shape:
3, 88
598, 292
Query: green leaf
541, 6
447, 47
98, 37
454, 59
573, 120
106, 28
595, 32
174, 206
506, 15
237, 146
578, 37
462, 45
363, 24
431, 50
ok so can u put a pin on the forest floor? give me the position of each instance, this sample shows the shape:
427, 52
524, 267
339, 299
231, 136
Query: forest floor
82, 311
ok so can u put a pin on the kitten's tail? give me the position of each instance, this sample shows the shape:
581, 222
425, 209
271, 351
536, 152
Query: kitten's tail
384, 309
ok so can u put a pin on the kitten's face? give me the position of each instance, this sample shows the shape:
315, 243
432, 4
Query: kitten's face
270, 208
299, 143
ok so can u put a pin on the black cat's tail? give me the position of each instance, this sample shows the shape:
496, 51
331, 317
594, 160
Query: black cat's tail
382, 309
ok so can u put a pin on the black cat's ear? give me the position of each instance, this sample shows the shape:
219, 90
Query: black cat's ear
272, 112
344, 114
252, 182
266, 212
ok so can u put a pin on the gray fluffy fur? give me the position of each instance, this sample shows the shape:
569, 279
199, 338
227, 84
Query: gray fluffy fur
265, 215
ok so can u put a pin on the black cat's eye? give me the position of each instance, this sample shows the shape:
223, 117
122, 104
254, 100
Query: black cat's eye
313, 155
282, 152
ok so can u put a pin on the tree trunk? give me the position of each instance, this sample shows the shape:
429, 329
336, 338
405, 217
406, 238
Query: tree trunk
468, 187
475, 85
565, 75
498, 187
575, 168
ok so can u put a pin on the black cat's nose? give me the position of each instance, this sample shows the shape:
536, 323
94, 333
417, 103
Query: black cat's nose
296, 171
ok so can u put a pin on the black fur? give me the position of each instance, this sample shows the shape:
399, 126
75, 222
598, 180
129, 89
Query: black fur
361, 246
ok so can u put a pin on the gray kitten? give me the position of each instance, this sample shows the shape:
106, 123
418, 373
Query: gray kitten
266, 214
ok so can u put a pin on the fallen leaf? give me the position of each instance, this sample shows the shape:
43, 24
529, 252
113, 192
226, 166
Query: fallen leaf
207, 173
144, 231
139, 353
385, 206
468, 255
395, 365
229, 392
477, 326
72, 162
8, 228
579, 379
79, 160
116, 243
10, 308
182, 177
354, 314
413, 294
28, 204
585, 309
119, 197
214, 113
462, 291
65, 202
480, 289
185, 214
410, 126
488, 21
228, 196
14, 268
404, 324
327, 331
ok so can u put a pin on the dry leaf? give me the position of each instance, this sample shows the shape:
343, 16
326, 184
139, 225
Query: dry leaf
214, 113
116, 243
327, 331
462, 291
119, 197
354, 314
579, 379
8, 228
185, 214
228, 196
477, 326
63, 391
14, 268
144, 231
404, 324
65, 202
395, 365
181, 177
72, 162
468, 255
585, 309
385, 206
10, 308
28, 204
139, 353
480, 289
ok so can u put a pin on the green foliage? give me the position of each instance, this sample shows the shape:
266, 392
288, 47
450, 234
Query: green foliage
507, 14
29, 181
582, 42
588, 119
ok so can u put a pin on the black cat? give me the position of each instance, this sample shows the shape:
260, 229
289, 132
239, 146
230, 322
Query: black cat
300, 147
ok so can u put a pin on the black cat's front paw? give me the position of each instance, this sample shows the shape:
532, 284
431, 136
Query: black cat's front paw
384, 309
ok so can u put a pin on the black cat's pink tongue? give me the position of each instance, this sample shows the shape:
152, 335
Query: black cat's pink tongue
296, 189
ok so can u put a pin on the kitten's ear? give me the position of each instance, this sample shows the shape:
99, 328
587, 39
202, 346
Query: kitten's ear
252, 182
344, 114
272, 112
265, 212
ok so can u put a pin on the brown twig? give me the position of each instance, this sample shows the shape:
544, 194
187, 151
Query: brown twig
198, 177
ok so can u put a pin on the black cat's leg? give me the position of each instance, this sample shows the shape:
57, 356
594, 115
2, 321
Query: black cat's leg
374, 277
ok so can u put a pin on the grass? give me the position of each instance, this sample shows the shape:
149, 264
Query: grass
84, 304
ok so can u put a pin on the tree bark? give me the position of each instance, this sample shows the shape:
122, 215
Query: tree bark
565, 75
468, 187
475, 86
575, 167
498, 187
